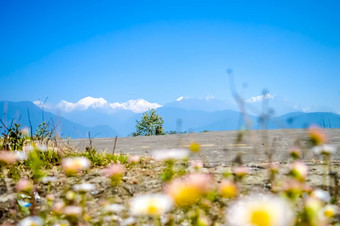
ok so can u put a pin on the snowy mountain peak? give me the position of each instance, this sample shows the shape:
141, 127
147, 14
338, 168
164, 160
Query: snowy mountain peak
83, 104
92, 102
136, 106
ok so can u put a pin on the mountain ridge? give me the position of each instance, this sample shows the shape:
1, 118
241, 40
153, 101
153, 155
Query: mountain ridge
76, 124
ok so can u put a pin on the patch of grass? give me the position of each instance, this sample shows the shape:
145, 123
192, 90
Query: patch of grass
101, 158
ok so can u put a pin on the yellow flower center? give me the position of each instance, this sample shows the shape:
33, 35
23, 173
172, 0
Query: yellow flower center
186, 195
260, 218
229, 191
329, 213
153, 208
194, 147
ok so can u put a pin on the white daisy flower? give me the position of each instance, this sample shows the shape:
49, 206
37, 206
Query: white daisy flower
21, 156
47, 179
170, 154
31, 221
128, 221
321, 195
329, 211
62, 223
72, 211
85, 187
325, 149
113, 208
150, 204
42, 147
263, 210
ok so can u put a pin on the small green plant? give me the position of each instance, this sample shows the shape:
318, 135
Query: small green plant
12, 137
101, 158
43, 133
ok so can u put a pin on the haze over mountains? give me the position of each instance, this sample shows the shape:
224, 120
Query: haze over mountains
105, 119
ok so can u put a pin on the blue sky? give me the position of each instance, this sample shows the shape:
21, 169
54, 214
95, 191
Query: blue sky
161, 50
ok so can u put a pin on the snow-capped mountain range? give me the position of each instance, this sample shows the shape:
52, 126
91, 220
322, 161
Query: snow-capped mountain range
136, 106
184, 114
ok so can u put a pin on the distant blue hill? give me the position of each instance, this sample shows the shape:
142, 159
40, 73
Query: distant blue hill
77, 124
18, 111
297, 120
198, 121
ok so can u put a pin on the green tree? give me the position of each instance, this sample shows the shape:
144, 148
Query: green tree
150, 124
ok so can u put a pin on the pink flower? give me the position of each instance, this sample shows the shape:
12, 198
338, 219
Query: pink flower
188, 189
317, 136
75, 165
58, 207
115, 173
24, 185
202, 181
197, 164
133, 159
74, 211
241, 171
298, 170
116, 170
8, 157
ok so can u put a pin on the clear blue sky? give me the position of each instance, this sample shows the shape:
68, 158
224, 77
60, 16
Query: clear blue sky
160, 50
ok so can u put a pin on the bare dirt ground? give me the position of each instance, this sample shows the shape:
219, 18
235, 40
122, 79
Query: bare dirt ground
218, 147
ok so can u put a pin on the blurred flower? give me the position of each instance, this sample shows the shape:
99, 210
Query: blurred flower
70, 195
24, 185
196, 164
203, 221
203, 181
31, 221
227, 189
188, 189
324, 149
170, 154
27, 148
73, 211
128, 221
115, 172
21, 155
313, 212
133, 159
85, 187
113, 208
50, 197
41, 147
260, 210
62, 223
317, 136
274, 167
194, 147
150, 204
295, 153
298, 170
241, 171
321, 195
8, 157
329, 211
58, 207
46, 180
75, 165
182, 193
25, 131
293, 188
